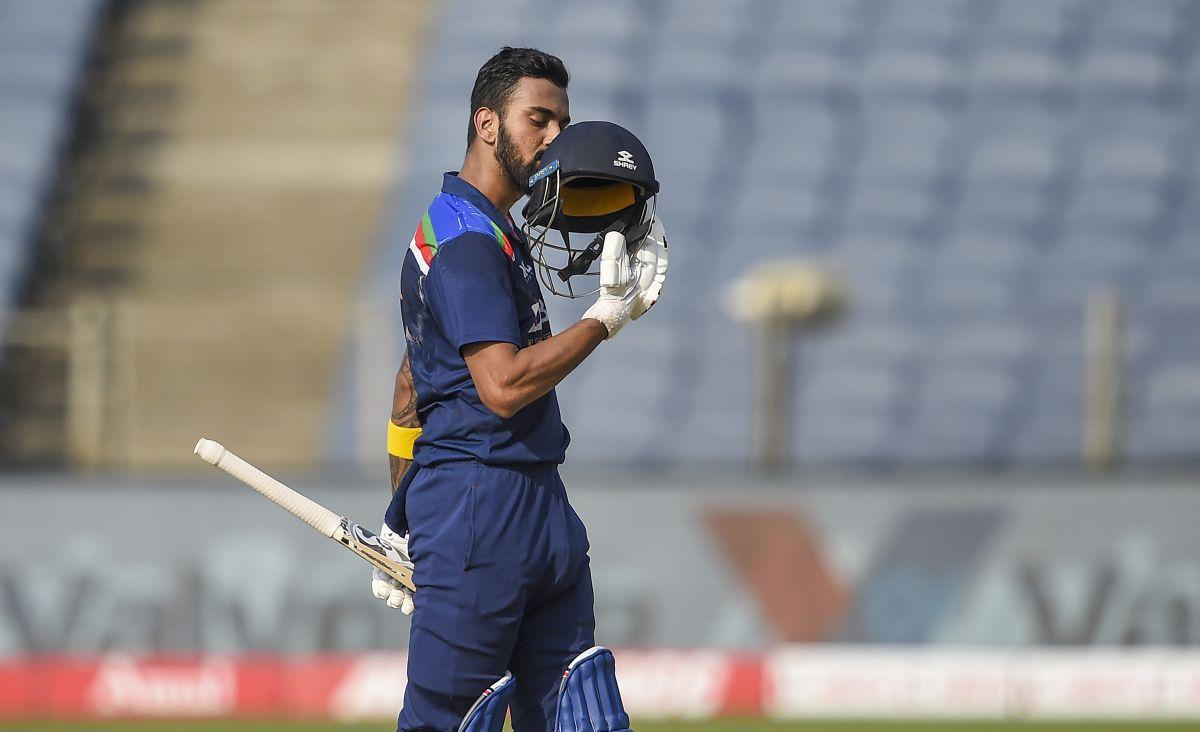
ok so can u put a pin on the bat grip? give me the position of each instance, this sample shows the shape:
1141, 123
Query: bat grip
308, 511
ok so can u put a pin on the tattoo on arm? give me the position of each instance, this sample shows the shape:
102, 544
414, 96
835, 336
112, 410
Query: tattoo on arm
399, 466
404, 414
404, 402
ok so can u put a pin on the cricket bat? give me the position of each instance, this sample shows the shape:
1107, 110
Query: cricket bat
366, 544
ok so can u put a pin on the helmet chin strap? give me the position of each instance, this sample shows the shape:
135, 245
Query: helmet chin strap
581, 261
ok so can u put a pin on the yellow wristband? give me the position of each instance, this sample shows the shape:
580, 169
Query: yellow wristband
401, 439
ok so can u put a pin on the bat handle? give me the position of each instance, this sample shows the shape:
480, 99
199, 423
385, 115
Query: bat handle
308, 511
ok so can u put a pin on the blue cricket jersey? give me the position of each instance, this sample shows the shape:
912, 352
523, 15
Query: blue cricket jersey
468, 277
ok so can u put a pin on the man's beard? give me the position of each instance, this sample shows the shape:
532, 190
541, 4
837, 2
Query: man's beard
517, 172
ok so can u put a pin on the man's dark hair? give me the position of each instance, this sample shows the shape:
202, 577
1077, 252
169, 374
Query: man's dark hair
498, 78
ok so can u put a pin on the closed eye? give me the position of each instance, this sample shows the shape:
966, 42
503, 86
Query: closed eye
541, 116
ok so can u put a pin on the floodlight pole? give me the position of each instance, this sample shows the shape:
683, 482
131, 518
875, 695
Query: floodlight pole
779, 298
1104, 381
778, 393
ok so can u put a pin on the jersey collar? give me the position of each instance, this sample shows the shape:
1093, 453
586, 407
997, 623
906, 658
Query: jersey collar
456, 186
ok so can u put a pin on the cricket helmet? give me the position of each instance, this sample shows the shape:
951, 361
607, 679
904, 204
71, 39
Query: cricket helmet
597, 177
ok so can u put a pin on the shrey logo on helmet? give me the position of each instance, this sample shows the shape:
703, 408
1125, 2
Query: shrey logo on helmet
582, 189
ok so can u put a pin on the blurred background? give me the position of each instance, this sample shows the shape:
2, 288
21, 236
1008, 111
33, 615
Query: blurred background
914, 432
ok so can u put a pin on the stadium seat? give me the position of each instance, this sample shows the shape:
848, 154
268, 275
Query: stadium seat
808, 23
808, 132
775, 221
1007, 209
836, 392
1111, 75
636, 416
920, 73
1043, 24
929, 21
685, 134
718, 427
1051, 435
906, 144
694, 69
478, 24
959, 436
969, 292
1019, 159
1166, 413
1164, 437
711, 21
1001, 255
581, 26
1013, 75
841, 436
1151, 23
789, 72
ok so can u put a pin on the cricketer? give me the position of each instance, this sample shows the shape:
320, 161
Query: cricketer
502, 614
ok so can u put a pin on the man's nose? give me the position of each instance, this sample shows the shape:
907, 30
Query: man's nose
552, 131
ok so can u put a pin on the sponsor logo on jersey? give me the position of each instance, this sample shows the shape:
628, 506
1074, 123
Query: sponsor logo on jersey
541, 318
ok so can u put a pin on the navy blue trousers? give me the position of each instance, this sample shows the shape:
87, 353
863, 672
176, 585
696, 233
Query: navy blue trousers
503, 583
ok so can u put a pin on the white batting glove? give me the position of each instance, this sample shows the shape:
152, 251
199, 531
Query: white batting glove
650, 267
383, 586
618, 290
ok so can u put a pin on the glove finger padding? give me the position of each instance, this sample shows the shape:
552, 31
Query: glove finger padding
614, 264
396, 599
384, 586
651, 269
652, 273
381, 584
618, 291
396, 595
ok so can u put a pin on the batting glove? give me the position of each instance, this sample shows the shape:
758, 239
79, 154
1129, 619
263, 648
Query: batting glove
619, 290
383, 586
650, 268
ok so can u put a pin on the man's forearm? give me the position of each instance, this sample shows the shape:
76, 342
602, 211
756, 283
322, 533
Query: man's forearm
540, 368
404, 414
509, 378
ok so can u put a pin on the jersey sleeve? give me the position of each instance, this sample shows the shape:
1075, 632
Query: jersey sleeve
469, 292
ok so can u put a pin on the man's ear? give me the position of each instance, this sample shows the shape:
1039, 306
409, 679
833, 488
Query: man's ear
487, 125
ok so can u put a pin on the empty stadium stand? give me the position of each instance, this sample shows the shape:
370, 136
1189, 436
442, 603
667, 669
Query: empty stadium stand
43, 47
974, 168
225, 178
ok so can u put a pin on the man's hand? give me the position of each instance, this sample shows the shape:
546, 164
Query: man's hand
384, 587
630, 282
650, 267
618, 290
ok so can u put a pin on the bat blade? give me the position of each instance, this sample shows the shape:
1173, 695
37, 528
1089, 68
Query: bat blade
366, 544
